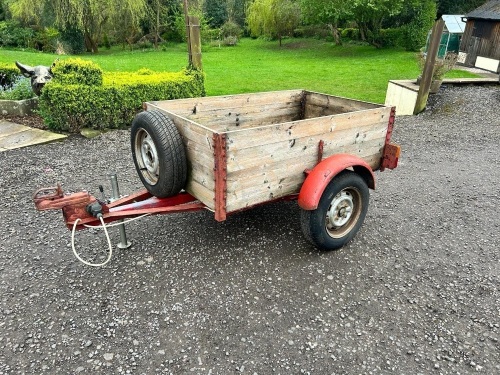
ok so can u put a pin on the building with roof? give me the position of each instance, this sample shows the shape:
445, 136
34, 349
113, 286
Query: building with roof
453, 30
480, 45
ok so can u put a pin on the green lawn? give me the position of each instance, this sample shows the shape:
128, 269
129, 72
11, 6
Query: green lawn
355, 71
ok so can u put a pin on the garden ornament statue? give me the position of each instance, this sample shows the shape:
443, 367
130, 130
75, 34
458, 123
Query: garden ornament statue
39, 75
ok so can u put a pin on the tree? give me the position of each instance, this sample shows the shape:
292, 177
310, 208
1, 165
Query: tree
92, 17
417, 18
216, 12
236, 11
328, 12
273, 18
370, 14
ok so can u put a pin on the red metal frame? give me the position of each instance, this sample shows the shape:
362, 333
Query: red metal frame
74, 206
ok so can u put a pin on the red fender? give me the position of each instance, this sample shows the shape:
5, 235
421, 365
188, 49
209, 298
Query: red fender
321, 175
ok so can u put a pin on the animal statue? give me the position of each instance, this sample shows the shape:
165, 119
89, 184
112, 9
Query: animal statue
39, 75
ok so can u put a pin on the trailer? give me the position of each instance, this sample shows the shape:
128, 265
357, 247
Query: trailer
229, 153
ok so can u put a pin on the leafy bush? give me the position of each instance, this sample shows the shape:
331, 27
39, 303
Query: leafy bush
312, 31
12, 34
19, 90
68, 104
77, 71
350, 33
230, 29
390, 37
420, 20
73, 40
8, 74
46, 39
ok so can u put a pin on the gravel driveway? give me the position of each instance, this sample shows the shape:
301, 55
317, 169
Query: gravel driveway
416, 292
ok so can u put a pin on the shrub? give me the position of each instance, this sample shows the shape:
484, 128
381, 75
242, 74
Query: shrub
73, 40
12, 34
69, 105
20, 89
46, 39
230, 29
78, 72
312, 31
420, 20
8, 74
390, 37
350, 33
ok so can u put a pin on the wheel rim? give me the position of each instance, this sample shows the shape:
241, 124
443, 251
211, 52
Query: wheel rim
343, 213
147, 156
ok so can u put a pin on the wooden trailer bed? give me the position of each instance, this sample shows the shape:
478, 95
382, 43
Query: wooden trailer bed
247, 149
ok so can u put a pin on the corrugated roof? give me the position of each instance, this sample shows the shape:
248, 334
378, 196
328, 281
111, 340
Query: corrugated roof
488, 11
454, 23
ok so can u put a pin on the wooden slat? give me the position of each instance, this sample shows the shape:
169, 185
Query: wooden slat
298, 129
278, 181
248, 118
235, 102
306, 147
200, 192
323, 105
279, 170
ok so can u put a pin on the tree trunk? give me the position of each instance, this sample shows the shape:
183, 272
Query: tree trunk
335, 33
157, 31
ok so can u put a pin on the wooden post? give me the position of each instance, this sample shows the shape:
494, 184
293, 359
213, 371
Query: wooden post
186, 20
425, 82
194, 42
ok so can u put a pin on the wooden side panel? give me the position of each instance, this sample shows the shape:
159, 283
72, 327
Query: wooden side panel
226, 113
317, 105
268, 162
198, 142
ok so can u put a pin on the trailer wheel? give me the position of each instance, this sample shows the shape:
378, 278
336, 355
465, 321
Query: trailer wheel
341, 211
158, 153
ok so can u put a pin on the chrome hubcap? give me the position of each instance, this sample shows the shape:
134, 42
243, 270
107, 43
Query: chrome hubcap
147, 156
343, 212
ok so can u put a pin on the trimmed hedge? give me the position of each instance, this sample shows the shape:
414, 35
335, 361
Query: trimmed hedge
77, 72
8, 73
73, 99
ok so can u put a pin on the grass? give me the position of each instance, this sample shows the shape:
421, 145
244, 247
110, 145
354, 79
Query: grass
355, 71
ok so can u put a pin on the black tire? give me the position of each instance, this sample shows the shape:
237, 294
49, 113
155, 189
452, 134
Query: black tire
341, 211
158, 153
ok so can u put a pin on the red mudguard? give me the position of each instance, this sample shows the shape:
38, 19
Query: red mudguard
321, 175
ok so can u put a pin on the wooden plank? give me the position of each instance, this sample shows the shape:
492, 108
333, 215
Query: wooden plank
280, 180
277, 170
251, 198
334, 142
223, 121
200, 192
289, 131
317, 105
201, 104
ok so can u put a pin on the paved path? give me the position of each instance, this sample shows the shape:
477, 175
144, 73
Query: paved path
16, 136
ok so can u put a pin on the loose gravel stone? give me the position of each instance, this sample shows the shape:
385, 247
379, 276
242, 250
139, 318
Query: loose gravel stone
416, 292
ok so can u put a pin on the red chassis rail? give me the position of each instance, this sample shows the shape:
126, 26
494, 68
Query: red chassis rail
74, 206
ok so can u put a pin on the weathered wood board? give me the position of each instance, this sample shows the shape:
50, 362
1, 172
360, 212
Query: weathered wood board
271, 138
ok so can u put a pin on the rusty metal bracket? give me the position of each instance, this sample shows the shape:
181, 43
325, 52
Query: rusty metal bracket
390, 155
321, 146
220, 174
